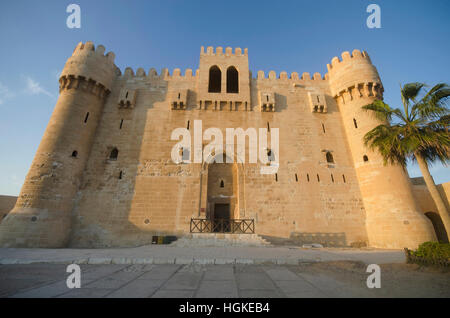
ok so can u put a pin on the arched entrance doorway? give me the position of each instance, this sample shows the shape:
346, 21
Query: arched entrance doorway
222, 203
439, 228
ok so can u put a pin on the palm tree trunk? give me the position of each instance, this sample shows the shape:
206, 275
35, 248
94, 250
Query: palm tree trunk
434, 192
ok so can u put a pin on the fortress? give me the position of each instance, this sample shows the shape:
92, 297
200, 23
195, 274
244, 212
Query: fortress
103, 174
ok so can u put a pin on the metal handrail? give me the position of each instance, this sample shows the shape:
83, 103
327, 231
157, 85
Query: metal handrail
241, 226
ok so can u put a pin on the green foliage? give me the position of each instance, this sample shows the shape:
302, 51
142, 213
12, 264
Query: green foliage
433, 251
420, 128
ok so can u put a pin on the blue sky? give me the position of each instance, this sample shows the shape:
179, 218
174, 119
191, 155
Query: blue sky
412, 45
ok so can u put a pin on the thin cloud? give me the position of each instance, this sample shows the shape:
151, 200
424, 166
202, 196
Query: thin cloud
34, 88
5, 93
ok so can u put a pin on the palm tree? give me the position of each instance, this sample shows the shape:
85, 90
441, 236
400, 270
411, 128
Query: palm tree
418, 132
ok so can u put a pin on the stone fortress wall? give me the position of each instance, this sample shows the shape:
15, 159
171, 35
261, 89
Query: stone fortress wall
103, 173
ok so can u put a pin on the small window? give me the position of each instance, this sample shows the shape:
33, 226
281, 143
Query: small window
343, 178
126, 95
355, 123
330, 158
365, 158
323, 128
268, 127
86, 118
222, 184
296, 178
318, 178
120, 174
114, 154
307, 177
332, 178
121, 124
75, 154
276, 177
188, 123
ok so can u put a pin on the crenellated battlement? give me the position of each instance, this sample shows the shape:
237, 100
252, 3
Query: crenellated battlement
220, 52
89, 47
356, 56
165, 74
353, 70
294, 76
92, 64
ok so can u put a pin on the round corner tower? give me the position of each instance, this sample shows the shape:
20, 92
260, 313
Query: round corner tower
393, 219
42, 214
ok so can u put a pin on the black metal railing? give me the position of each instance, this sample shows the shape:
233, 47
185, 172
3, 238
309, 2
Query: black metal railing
238, 226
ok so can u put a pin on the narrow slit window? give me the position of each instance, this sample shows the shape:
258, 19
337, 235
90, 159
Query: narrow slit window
120, 174
188, 124
355, 123
268, 127
318, 178
329, 157
114, 154
222, 184
86, 118
323, 128
126, 95
296, 178
332, 178
343, 178
276, 177
307, 177
121, 124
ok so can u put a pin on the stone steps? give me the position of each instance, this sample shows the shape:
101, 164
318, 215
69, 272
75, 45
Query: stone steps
220, 239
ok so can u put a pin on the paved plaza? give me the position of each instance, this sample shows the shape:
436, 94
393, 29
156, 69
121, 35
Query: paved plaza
322, 279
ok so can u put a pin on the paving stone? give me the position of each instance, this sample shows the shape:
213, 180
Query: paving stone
185, 281
86, 293
299, 289
137, 289
157, 272
143, 261
330, 286
99, 260
162, 261
261, 294
219, 272
217, 289
182, 261
221, 261
47, 291
173, 294
280, 273
256, 281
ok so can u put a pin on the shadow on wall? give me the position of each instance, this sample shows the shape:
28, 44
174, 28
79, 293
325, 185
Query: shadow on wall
438, 226
6, 204
326, 239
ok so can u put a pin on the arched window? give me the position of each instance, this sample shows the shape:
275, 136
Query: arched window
329, 157
365, 158
75, 154
215, 80
232, 80
114, 154
221, 184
